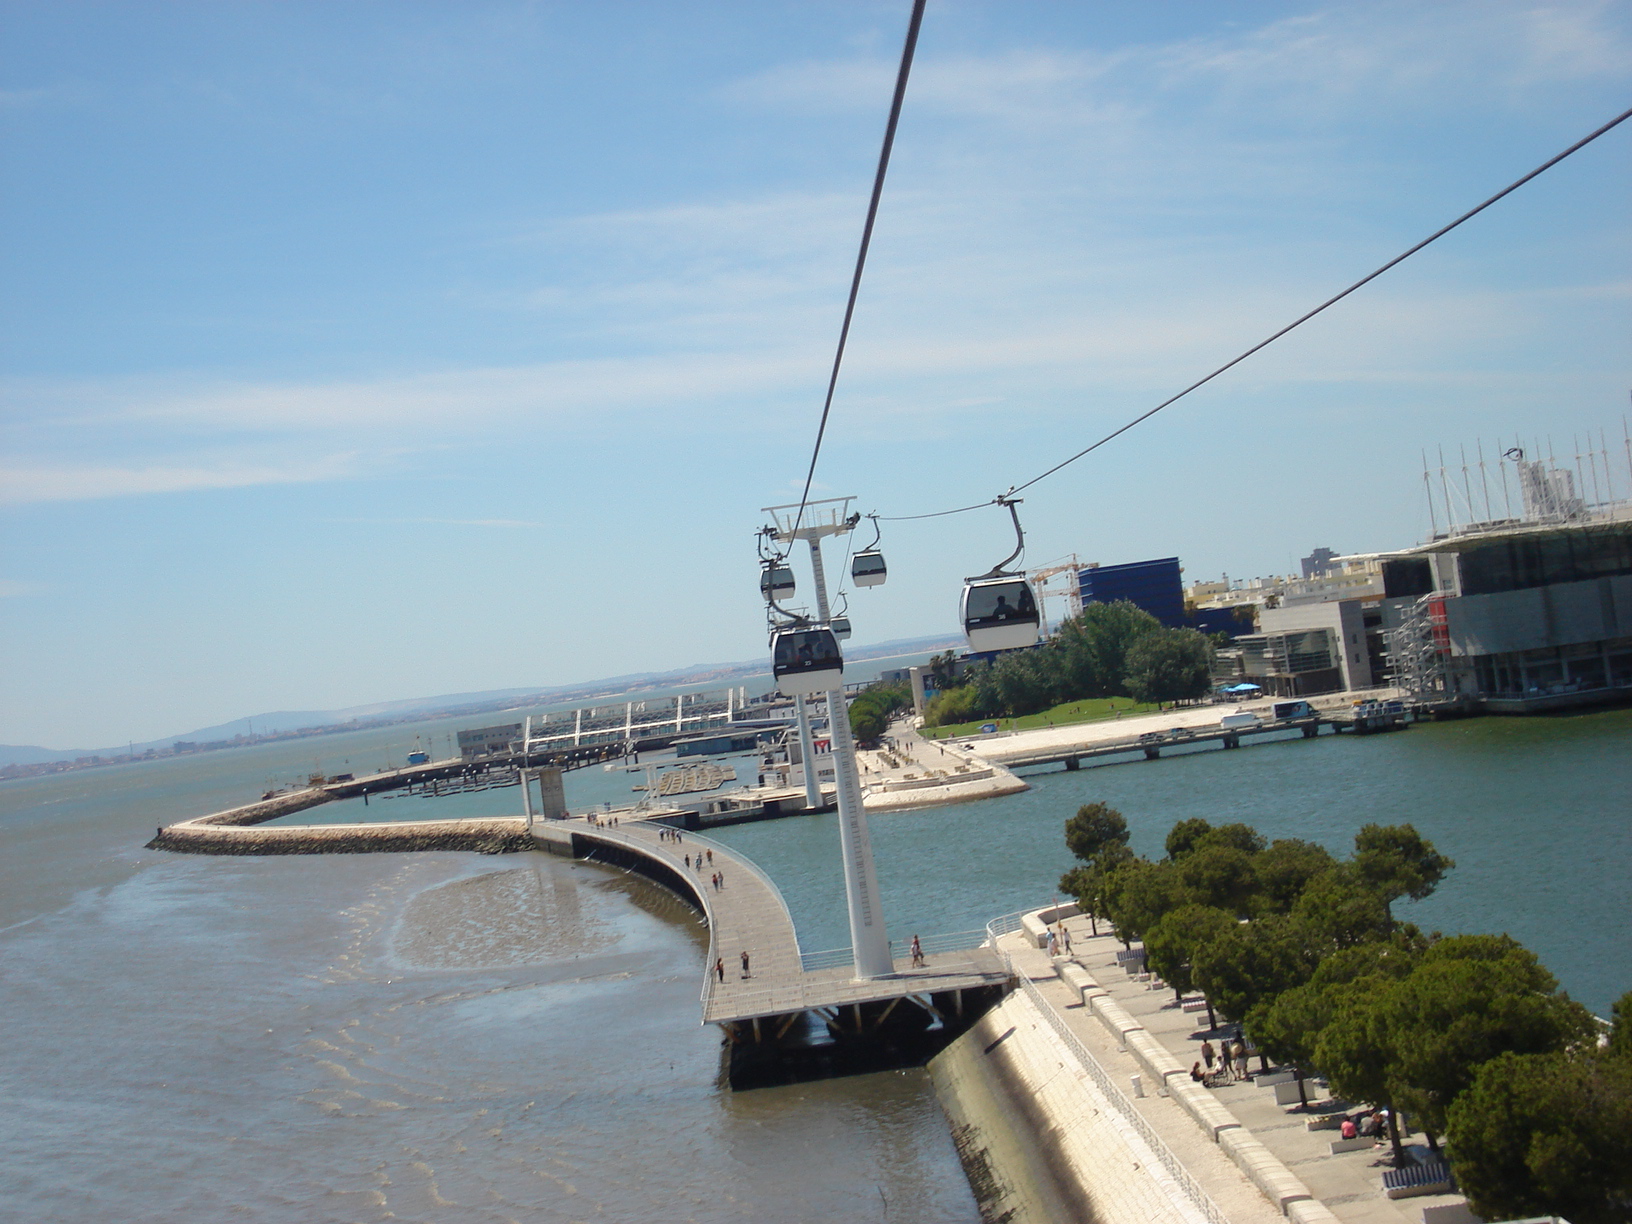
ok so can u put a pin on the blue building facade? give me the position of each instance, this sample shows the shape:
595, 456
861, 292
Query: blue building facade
1155, 586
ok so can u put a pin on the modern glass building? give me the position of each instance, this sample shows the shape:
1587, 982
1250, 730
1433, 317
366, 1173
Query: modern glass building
1155, 586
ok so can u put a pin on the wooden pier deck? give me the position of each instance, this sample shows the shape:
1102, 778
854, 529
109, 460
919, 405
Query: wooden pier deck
780, 996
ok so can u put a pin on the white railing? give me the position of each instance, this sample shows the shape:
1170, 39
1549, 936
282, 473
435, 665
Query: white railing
900, 949
1192, 1188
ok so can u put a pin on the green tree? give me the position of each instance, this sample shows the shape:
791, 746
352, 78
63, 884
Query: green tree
1182, 837
1546, 1134
1337, 909
1139, 892
951, 707
1356, 1049
1074, 657
1169, 665
1285, 869
1398, 861
1237, 836
867, 722
1095, 826
1023, 681
1095, 644
1221, 876
1252, 963
1470, 998
1173, 942
1620, 1033
1089, 884
1289, 1026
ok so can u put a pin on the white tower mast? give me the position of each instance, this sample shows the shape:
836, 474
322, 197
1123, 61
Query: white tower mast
869, 941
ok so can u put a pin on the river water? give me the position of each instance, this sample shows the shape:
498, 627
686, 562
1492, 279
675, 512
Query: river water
452, 1037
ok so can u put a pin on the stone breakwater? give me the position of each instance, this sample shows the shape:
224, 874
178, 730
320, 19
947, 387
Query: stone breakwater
243, 830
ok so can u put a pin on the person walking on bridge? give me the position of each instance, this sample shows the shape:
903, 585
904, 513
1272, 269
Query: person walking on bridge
719, 967
745, 972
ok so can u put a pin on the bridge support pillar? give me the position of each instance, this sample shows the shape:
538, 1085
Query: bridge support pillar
1232, 741
1072, 763
1310, 730
1153, 754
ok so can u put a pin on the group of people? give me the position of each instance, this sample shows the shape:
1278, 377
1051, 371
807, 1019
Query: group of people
717, 879
1231, 1057
1059, 940
673, 835
719, 966
1371, 1125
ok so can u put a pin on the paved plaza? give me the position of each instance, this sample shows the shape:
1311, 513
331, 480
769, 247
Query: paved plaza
1349, 1183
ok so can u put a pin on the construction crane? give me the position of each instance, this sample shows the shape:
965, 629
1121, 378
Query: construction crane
1043, 582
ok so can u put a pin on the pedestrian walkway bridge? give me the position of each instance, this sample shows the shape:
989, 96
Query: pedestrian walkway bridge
789, 1015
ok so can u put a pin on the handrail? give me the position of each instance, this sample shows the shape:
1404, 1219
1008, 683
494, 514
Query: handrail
1192, 1188
946, 941
790, 996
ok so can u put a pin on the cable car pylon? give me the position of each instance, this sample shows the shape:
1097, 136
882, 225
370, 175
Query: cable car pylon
869, 940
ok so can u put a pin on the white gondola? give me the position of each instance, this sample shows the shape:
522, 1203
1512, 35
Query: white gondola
867, 568
840, 626
999, 608
806, 661
999, 613
775, 581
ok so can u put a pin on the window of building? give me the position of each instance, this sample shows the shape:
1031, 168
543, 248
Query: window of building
1519, 563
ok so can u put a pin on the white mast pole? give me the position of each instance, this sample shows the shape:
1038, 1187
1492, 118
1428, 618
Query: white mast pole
813, 784
868, 938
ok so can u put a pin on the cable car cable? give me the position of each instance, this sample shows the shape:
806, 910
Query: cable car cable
1331, 301
901, 75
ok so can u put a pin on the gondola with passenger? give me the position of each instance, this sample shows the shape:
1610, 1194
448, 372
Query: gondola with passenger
999, 608
805, 659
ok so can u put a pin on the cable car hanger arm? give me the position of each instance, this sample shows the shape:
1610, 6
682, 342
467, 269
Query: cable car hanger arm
1002, 567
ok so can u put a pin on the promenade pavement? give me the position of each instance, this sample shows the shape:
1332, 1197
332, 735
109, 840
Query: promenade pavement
1349, 1184
746, 913
913, 772
1236, 1196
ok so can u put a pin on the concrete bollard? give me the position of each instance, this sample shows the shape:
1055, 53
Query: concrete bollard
1138, 1085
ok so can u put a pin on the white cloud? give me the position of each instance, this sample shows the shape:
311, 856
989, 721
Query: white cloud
57, 481
1113, 240
439, 522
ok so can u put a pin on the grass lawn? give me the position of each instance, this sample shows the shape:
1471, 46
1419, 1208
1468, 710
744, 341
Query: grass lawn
1089, 710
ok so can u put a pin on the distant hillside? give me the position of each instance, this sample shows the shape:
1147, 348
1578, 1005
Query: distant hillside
283, 722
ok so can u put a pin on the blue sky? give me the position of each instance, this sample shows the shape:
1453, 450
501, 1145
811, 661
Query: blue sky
356, 352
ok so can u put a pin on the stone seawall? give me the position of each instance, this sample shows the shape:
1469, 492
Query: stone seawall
263, 810
1038, 1141
208, 835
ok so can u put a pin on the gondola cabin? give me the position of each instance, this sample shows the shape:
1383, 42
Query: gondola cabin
1000, 613
775, 581
840, 626
867, 568
806, 661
